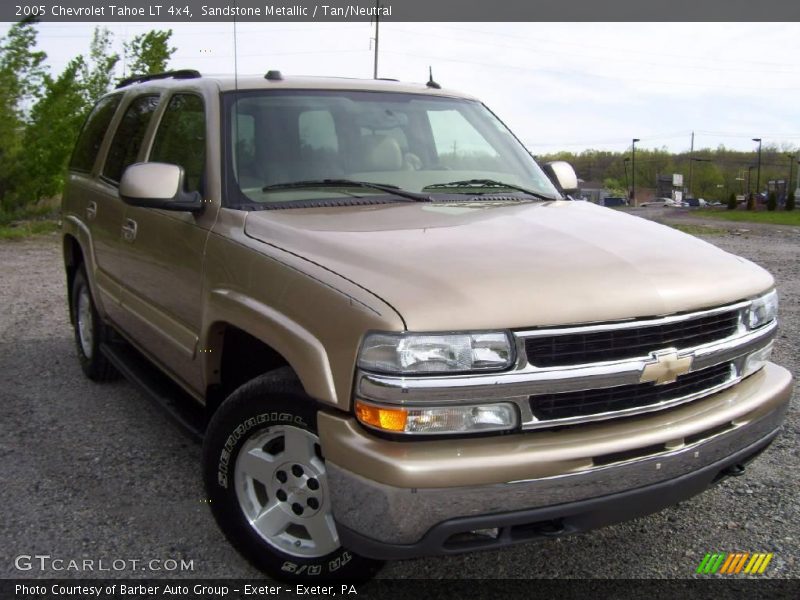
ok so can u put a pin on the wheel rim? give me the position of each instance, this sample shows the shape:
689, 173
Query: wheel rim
282, 490
85, 324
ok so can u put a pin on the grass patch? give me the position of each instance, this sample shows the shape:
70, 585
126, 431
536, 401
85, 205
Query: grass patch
778, 217
698, 229
47, 208
26, 229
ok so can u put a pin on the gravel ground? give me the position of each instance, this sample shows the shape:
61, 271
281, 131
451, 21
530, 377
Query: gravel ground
96, 472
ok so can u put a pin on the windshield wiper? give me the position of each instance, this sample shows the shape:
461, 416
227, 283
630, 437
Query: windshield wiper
488, 183
322, 183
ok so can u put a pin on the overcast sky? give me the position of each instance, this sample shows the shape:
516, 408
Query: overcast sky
568, 86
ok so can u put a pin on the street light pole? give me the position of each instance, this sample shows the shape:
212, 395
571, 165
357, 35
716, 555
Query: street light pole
758, 173
791, 158
633, 171
749, 171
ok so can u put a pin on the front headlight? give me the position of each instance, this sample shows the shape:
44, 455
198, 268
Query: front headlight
762, 310
414, 353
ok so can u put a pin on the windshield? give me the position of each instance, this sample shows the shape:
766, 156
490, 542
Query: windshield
413, 142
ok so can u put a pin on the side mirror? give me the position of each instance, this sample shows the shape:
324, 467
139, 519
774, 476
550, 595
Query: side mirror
562, 175
158, 185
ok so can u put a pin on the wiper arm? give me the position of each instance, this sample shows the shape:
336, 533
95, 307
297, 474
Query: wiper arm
323, 183
488, 183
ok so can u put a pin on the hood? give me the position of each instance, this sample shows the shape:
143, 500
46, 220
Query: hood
512, 265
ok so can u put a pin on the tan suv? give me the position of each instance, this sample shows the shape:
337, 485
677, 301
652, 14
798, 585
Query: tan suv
407, 339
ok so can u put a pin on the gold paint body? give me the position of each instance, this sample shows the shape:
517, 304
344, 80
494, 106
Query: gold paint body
312, 282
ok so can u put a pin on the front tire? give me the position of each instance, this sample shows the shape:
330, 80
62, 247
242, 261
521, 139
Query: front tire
90, 331
267, 484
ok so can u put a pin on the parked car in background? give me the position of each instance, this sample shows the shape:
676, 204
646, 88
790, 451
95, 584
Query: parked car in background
659, 202
612, 201
696, 202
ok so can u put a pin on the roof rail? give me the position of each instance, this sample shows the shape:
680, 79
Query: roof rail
179, 74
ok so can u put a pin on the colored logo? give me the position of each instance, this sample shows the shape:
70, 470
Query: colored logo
666, 367
734, 563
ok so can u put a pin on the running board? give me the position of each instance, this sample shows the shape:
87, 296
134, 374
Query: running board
184, 410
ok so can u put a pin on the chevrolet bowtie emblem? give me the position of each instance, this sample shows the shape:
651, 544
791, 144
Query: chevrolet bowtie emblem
666, 367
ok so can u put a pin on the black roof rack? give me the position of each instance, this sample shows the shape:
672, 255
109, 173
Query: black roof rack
179, 74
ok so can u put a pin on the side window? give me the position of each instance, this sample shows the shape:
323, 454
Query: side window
91, 136
181, 138
129, 136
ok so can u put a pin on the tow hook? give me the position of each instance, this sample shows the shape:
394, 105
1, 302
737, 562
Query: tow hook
553, 528
736, 470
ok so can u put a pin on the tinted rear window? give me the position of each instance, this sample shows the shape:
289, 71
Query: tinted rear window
91, 137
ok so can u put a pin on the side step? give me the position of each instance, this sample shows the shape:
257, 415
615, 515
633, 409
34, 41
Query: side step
169, 396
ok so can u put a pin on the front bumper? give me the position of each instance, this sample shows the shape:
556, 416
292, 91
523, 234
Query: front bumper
404, 499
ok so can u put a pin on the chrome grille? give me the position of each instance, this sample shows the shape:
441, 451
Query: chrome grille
598, 375
584, 403
578, 348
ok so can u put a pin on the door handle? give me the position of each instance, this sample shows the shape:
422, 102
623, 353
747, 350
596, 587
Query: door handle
91, 210
129, 230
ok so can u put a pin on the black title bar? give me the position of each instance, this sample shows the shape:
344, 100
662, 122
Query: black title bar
400, 10
718, 588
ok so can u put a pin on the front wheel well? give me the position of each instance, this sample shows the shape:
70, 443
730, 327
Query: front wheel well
243, 357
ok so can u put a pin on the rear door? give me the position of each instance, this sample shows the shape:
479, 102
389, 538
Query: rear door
97, 212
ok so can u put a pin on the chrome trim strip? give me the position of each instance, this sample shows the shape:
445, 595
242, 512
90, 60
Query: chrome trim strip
403, 515
632, 324
529, 380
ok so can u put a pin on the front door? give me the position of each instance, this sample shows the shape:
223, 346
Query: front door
163, 250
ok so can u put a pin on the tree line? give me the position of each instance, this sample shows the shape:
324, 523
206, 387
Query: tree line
714, 174
41, 113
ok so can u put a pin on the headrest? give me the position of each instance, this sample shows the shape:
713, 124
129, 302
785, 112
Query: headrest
381, 153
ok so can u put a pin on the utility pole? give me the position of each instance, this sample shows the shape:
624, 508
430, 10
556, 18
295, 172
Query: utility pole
791, 166
693, 160
691, 156
758, 172
633, 171
377, 34
625, 162
797, 188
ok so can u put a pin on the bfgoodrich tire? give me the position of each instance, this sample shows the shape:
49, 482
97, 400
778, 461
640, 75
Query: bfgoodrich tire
90, 331
266, 481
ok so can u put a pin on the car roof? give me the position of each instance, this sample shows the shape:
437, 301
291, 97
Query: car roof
275, 80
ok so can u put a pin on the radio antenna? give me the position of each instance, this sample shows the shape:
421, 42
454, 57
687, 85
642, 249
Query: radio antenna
235, 128
431, 83
377, 32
